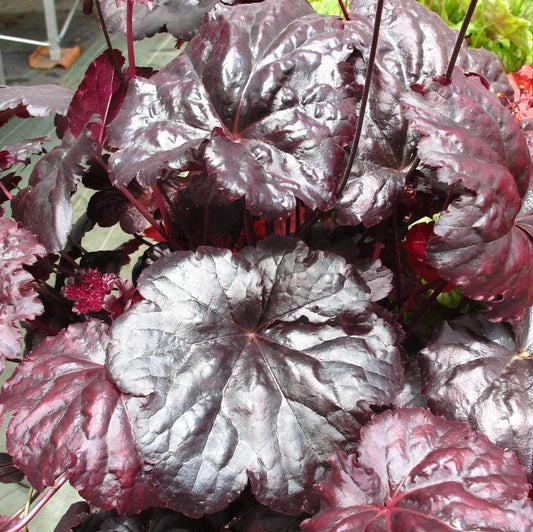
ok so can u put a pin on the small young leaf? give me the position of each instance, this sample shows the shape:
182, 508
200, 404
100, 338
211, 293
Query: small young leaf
99, 96
415, 471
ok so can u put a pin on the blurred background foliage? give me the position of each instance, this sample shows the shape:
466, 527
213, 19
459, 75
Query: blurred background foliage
505, 27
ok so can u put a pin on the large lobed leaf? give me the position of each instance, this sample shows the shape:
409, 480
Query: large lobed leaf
252, 366
68, 416
260, 93
482, 372
418, 472
483, 239
18, 299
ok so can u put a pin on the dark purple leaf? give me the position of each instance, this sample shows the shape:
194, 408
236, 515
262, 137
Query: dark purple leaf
482, 242
36, 100
109, 206
68, 416
73, 518
418, 472
481, 372
20, 151
370, 194
266, 130
18, 299
414, 44
98, 98
44, 207
8, 472
244, 371
181, 18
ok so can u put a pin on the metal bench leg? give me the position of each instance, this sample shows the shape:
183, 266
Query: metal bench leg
52, 33
2, 73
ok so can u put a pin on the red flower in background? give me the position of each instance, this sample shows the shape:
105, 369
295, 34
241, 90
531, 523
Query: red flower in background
522, 83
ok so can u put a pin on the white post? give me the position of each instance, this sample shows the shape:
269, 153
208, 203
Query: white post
2, 73
52, 34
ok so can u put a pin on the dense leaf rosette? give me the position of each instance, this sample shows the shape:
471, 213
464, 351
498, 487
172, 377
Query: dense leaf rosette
415, 471
481, 372
483, 240
252, 366
18, 300
260, 93
68, 416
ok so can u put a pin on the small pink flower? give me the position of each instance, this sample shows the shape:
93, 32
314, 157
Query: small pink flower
89, 289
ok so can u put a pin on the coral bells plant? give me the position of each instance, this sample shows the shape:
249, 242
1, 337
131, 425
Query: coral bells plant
327, 321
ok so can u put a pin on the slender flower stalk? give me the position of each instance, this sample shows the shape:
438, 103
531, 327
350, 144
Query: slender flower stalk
460, 39
129, 35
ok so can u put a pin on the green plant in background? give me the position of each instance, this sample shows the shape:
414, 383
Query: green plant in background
326, 7
505, 27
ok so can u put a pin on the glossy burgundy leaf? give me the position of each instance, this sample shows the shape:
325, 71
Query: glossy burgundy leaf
20, 151
370, 194
99, 96
414, 43
481, 372
250, 367
44, 206
68, 416
18, 299
415, 471
482, 242
36, 100
181, 18
267, 106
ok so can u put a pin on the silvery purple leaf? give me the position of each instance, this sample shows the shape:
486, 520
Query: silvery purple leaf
418, 472
36, 100
250, 367
68, 416
481, 372
20, 151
